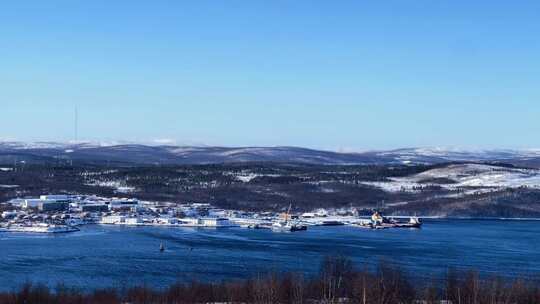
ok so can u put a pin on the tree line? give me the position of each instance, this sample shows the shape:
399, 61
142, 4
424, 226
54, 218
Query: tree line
338, 281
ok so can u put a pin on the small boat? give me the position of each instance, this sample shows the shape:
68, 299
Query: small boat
414, 222
330, 223
296, 227
161, 247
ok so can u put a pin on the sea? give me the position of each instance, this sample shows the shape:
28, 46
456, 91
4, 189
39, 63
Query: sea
100, 256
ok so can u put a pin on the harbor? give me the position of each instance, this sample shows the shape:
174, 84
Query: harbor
61, 213
109, 254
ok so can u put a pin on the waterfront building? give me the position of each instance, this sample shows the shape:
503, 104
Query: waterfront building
214, 222
56, 197
113, 219
53, 205
45, 204
124, 204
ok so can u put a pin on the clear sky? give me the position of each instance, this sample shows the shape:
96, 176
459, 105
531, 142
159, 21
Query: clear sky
350, 75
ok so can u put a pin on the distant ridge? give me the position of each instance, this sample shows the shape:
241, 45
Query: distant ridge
133, 154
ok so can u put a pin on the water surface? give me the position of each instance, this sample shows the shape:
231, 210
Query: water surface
104, 256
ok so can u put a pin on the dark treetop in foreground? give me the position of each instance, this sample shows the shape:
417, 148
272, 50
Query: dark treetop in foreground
337, 282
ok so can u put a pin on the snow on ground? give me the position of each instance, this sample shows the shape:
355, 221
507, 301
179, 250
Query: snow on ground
96, 173
9, 186
465, 175
246, 178
118, 185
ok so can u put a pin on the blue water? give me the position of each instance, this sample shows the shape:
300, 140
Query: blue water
104, 256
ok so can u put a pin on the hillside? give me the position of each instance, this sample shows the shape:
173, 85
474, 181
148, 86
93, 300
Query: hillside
138, 154
449, 189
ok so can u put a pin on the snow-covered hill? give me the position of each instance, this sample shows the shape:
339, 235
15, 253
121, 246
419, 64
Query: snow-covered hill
167, 154
453, 154
476, 177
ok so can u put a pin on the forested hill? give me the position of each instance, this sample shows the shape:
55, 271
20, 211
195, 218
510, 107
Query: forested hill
137, 154
450, 189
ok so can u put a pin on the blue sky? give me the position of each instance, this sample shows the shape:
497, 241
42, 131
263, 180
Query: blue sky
351, 75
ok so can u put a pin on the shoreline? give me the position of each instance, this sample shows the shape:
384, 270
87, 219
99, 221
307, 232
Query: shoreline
346, 221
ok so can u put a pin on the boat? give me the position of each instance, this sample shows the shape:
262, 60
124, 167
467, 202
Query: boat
161, 247
330, 223
378, 221
287, 224
414, 222
40, 228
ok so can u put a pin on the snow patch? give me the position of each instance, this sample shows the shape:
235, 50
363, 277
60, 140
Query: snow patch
120, 187
9, 186
463, 176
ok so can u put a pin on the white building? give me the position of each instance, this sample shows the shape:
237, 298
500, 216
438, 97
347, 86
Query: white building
214, 222
217, 213
189, 221
133, 221
56, 197
31, 203
167, 220
47, 202
113, 219
122, 204
9, 214
121, 220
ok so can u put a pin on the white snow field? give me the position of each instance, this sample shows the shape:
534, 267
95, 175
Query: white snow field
463, 176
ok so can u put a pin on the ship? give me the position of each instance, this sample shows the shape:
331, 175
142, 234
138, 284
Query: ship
414, 222
40, 228
378, 221
287, 224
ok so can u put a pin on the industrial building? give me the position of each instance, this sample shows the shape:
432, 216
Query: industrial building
95, 208
45, 204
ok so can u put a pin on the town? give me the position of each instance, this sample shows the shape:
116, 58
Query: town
59, 213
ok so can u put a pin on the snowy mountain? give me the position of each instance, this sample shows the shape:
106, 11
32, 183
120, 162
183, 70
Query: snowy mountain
40, 152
